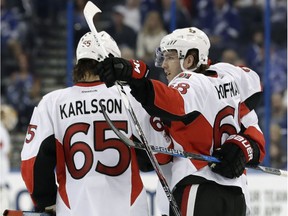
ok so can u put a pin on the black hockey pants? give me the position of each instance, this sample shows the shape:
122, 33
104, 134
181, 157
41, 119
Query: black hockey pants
196, 196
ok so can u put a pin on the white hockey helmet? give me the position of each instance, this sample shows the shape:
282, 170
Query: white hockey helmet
88, 48
185, 39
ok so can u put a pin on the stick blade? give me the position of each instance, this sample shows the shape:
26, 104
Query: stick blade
273, 171
90, 9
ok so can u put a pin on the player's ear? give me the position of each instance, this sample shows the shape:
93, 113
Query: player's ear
189, 61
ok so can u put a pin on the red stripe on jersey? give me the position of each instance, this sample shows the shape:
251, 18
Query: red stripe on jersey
195, 137
164, 158
137, 184
27, 172
13, 213
243, 110
185, 198
258, 137
168, 98
61, 173
87, 84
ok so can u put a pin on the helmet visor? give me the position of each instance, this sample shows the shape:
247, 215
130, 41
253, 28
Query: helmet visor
159, 57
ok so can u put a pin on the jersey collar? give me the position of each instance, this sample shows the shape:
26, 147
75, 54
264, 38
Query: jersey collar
89, 84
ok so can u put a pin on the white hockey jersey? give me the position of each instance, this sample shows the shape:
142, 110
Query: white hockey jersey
206, 109
97, 174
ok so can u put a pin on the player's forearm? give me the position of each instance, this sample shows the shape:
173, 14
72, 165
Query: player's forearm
257, 137
250, 127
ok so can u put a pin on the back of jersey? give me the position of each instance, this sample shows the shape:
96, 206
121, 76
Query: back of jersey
224, 103
213, 109
96, 172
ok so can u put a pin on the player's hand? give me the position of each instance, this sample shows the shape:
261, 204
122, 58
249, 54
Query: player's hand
112, 69
234, 154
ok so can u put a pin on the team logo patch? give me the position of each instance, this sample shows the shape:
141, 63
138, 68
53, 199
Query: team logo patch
184, 75
87, 43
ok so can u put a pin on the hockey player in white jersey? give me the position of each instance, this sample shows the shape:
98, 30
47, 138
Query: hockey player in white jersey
208, 110
8, 122
96, 173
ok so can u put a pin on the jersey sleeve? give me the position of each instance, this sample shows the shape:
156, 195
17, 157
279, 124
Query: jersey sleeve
250, 127
251, 93
249, 85
167, 102
250, 88
154, 132
38, 159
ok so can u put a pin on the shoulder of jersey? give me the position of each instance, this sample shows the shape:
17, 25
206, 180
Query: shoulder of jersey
223, 68
53, 95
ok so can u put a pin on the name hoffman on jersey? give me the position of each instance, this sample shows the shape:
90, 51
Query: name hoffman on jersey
227, 89
87, 107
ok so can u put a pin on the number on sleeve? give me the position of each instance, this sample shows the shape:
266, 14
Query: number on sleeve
181, 87
30, 133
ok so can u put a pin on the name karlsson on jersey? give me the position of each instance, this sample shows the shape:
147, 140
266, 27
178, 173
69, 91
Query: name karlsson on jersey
82, 107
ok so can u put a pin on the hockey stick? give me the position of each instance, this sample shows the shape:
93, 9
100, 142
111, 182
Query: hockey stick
183, 154
157, 149
24, 213
271, 170
89, 12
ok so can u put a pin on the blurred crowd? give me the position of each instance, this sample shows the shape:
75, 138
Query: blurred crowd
235, 27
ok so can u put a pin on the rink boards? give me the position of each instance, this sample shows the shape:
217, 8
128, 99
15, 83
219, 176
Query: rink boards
268, 193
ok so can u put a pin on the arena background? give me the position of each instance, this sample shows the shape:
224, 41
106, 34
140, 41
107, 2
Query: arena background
38, 41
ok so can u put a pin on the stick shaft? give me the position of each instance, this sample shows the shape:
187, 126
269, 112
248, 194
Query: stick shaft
271, 170
149, 151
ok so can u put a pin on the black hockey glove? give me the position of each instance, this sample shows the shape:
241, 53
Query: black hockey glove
112, 69
234, 154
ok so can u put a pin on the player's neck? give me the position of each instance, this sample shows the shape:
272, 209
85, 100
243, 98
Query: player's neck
90, 78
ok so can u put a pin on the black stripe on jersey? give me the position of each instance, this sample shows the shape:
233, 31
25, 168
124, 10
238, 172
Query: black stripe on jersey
143, 160
45, 189
253, 101
210, 73
142, 90
166, 116
192, 179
